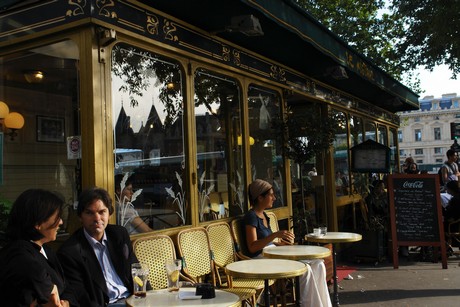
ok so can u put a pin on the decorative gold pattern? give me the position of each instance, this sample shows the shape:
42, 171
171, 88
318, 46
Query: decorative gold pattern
152, 24
80, 4
103, 6
278, 73
225, 53
236, 57
169, 28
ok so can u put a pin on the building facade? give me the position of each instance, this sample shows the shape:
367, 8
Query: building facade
186, 102
425, 134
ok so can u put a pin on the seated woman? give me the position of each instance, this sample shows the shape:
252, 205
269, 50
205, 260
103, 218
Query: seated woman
30, 273
259, 235
127, 215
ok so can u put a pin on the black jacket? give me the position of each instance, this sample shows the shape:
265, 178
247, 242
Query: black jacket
82, 268
26, 275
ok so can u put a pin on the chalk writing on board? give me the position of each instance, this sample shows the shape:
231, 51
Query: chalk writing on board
416, 214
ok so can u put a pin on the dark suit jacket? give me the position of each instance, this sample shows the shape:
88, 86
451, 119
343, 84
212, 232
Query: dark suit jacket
26, 275
82, 268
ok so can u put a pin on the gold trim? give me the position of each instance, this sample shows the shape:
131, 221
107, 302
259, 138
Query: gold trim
33, 26
266, 275
320, 255
130, 24
354, 237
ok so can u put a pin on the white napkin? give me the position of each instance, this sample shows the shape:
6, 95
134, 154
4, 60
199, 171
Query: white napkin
188, 294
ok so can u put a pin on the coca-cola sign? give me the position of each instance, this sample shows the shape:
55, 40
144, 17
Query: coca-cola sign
413, 185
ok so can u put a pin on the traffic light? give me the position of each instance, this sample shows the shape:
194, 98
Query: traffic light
454, 131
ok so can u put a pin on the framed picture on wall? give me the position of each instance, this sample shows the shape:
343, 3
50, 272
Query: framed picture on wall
50, 129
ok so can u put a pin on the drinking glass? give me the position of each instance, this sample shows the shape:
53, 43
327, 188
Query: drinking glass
323, 230
173, 267
140, 274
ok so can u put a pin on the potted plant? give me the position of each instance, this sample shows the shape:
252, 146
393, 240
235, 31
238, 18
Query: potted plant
307, 134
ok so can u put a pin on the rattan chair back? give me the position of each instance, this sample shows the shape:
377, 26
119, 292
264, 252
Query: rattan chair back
239, 237
221, 240
154, 250
195, 250
274, 226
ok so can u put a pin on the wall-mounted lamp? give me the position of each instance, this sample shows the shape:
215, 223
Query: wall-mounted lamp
34, 76
240, 140
10, 120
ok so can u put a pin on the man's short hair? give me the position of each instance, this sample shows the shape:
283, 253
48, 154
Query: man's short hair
450, 153
88, 196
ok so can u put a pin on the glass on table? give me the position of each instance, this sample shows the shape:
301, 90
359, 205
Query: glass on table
173, 267
323, 230
140, 274
317, 232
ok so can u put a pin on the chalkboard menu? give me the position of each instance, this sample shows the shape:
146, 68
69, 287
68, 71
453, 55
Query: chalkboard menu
416, 209
415, 212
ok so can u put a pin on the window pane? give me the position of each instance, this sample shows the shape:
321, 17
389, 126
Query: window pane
36, 156
148, 127
383, 135
264, 108
356, 130
418, 135
370, 131
219, 146
340, 145
393, 142
437, 133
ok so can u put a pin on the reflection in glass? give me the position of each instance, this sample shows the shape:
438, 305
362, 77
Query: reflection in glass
148, 127
356, 130
340, 146
218, 139
393, 150
264, 108
39, 158
370, 131
383, 135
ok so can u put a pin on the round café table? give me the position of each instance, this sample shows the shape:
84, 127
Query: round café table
296, 252
266, 269
334, 238
163, 298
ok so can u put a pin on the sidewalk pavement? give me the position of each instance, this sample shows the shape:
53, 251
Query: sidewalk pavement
412, 284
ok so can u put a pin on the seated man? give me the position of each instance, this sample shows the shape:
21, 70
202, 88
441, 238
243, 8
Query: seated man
259, 235
97, 258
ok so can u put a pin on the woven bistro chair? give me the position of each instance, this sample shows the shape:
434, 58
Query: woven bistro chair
222, 245
239, 238
154, 250
273, 222
198, 261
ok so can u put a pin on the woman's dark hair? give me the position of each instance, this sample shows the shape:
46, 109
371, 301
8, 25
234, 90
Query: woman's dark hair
33, 207
88, 196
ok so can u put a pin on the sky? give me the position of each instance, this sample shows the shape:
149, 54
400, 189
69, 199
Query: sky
438, 82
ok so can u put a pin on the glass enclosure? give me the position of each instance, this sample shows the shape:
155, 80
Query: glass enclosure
41, 147
340, 146
219, 146
148, 132
264, 109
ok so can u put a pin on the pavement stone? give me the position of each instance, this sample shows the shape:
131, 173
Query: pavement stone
414, 283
